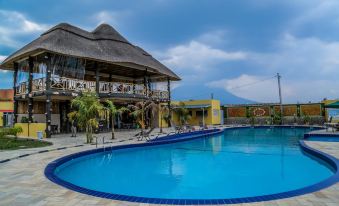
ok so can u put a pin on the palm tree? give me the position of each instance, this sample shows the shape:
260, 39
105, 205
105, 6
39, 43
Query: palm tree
182, 113
164, 115
139, 111
87, 108
114, 111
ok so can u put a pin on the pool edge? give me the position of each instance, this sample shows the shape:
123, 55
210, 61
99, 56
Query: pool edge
50, 168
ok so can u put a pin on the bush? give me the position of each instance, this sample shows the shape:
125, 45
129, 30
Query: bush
306, 119
276, 118
2, 133
11, 131
24, 120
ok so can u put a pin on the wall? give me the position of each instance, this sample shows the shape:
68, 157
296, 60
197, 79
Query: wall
5, 106
30, 130
239, 114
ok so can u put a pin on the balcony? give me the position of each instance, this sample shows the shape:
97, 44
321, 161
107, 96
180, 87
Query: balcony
77, 85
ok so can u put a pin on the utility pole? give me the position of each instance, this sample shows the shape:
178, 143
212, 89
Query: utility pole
212, 96
280, 98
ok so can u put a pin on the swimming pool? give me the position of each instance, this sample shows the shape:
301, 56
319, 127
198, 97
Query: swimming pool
237, 165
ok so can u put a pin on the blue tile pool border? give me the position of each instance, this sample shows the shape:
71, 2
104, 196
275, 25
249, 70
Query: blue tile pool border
332, 161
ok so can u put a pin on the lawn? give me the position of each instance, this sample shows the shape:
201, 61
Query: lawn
7, 143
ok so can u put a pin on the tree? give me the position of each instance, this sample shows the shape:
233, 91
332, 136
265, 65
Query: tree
139, 111
87, 108
111, 108
182, 113
164, 115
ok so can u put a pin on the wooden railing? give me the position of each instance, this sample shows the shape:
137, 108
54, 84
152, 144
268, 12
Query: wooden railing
69, 84
39, 84
77, 85
22, 88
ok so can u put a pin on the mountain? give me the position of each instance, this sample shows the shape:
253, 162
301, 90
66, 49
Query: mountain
195, 92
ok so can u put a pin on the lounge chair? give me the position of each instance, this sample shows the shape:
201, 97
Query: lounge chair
144, 134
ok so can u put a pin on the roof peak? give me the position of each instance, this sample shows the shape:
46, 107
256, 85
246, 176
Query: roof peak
103, 31
106, 31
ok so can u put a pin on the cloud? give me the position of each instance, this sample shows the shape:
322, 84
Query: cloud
198, 56
314, 11
309, 69
214, 38
2, 58
110, 17
251, 87
303, 58
14, 25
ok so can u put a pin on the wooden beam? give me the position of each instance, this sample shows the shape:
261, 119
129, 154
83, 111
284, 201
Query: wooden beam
48, 97
169, 90
145, 82
15, 106
97, 78
30, 84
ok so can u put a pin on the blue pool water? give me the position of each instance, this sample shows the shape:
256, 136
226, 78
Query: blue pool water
238, 163
324, 139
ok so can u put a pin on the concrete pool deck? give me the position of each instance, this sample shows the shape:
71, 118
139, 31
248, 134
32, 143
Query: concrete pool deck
22, 180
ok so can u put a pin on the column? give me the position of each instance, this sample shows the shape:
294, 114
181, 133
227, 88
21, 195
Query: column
145, 83
15, 106
48, 98
134, 86
169, 100
149, 86
97, 79
30, 86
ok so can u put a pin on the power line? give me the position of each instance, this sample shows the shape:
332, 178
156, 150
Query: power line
252, 83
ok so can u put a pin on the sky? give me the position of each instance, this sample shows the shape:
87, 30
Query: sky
231, 48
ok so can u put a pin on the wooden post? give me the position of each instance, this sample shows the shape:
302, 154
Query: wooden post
149, 86
145, 83
15, 106
134, 86
48, 98
97, 79
30, 86
169, 101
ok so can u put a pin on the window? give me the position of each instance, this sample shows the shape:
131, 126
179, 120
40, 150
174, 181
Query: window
200, 114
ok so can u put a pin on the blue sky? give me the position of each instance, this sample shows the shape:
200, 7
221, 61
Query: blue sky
215, 46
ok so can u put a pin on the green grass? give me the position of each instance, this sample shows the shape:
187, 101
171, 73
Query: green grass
7, 143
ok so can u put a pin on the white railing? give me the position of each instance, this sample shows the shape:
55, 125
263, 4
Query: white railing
70, 84
159, 94
39, 84
22, 88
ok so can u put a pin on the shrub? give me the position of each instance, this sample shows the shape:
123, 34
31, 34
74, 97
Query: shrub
306, 119
2, 132
24, 119
276, 118
11, 131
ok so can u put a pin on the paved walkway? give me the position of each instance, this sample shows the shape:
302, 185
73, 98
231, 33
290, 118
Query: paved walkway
65, 140
22, 181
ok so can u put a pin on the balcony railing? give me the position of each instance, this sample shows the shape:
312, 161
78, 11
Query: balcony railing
69, 84
22, 88
77, 85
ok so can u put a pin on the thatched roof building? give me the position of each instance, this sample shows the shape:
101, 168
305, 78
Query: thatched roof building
104, 45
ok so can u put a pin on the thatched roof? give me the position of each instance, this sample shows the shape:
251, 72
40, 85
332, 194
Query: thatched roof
104, 44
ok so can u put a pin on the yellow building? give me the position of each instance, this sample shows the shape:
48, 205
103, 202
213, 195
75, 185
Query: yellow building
202, 112
6, 107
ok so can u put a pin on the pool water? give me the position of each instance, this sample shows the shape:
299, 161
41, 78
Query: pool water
243, 162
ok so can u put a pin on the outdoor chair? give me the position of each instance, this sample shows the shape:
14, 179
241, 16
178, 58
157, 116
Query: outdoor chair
145, 134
